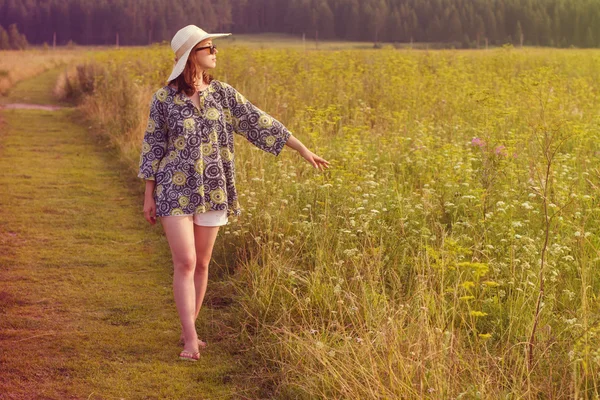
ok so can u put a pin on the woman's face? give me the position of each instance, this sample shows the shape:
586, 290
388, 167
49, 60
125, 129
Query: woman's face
203, 57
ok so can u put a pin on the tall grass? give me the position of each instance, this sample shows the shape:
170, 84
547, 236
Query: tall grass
17, 65
451, 250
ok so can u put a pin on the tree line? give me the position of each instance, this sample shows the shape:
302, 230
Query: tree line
464, 23
12, 39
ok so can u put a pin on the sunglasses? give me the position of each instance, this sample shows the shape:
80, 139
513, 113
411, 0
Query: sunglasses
213, 48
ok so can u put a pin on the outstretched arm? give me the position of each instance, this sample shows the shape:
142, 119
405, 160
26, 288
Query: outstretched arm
311, 157
264, 131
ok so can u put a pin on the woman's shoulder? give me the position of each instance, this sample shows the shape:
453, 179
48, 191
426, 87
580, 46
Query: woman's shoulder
164, 94
220, 85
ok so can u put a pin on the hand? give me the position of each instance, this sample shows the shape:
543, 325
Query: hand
314, 159
150, 210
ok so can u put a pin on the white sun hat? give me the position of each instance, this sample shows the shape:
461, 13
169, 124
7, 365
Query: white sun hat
184, 41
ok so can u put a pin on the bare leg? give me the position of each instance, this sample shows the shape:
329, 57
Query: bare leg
180, 235
205, 237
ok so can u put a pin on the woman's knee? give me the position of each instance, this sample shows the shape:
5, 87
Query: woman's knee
185, 264
202, 265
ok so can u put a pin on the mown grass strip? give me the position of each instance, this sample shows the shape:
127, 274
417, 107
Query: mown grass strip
86, 308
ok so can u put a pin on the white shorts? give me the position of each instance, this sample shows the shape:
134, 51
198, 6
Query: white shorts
208, 218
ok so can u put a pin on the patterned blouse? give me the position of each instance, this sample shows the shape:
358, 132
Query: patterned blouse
189, 151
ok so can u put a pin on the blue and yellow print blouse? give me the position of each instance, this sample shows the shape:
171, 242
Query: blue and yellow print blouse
189, 151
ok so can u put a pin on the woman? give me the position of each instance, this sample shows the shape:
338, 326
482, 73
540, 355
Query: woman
187, 161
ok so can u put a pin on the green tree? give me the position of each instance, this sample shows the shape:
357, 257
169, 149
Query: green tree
434, 30
4, 41
489, 21
455, 29
590, 39
519, 33
16, 40
479, 29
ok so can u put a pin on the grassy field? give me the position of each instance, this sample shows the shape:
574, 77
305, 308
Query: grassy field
86, 308
17, 65
451, 251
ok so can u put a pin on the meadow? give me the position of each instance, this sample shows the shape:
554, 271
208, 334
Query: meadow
452, 249
18, 65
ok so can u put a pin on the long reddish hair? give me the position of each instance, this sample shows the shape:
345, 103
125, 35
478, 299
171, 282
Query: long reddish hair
185, 81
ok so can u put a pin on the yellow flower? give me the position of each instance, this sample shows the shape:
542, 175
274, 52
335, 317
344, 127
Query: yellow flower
212, 114
226, 154
161, 94
184, 201
180, 143
154, 164
265, 121
199, 166
270, 140
179, 178
151, 126
200, 209
206, 149
189, 124
145, 147
201, 190
177, 211
218, 196
468, 284
172, 155
478, 313
159, 189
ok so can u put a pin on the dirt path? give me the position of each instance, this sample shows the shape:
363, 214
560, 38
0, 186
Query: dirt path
23, 106
86, 307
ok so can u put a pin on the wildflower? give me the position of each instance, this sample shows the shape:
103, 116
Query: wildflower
478, 313
468, 284
501, 151
477, 142
527, 206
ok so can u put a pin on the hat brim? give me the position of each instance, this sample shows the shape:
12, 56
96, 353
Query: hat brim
180, 65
